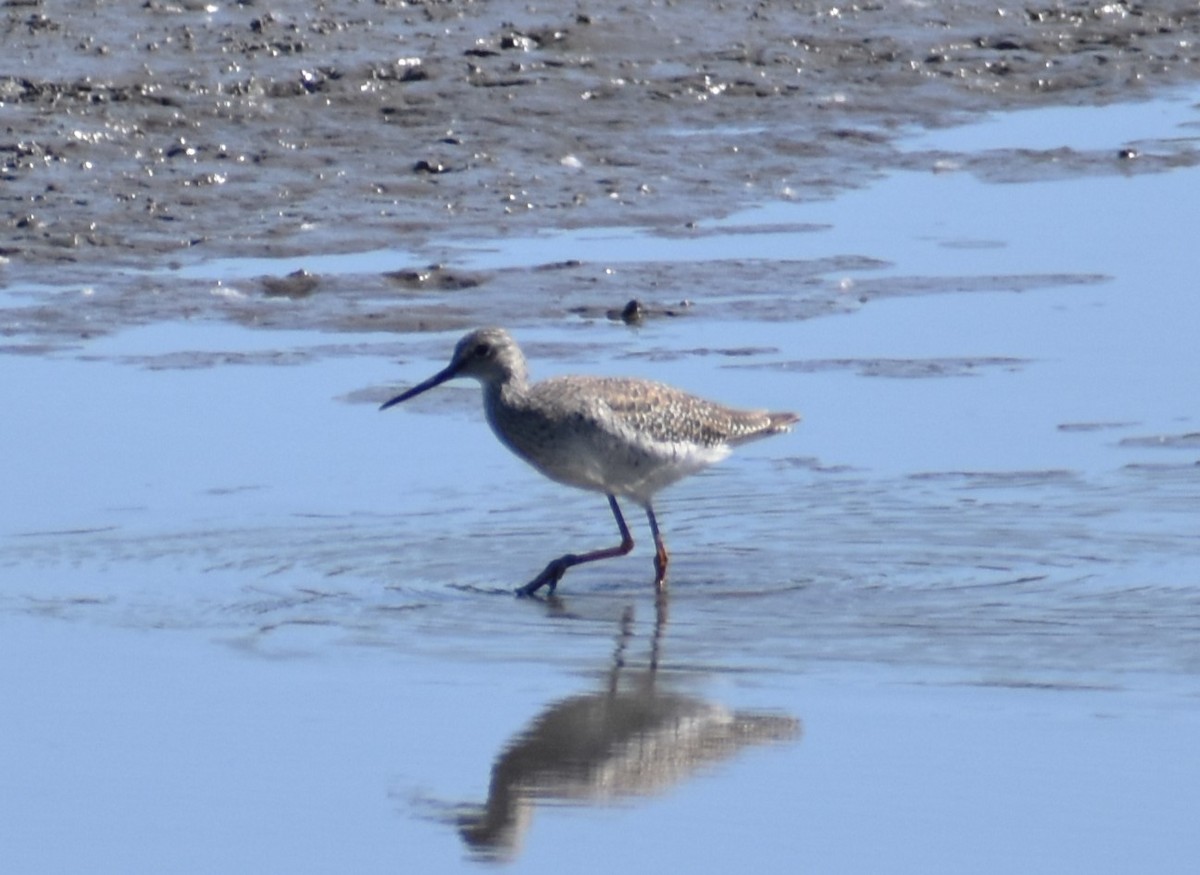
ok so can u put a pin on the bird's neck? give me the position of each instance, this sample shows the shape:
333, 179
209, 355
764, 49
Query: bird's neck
507, 393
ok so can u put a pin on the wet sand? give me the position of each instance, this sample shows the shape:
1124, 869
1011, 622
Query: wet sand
188, 131
247, 622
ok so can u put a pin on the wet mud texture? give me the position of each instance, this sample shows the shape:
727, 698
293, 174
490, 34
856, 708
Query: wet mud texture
135, 130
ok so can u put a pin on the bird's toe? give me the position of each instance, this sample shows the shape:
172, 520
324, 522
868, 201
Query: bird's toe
549, 576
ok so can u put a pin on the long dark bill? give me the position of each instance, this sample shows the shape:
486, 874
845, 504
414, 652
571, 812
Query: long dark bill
437, 379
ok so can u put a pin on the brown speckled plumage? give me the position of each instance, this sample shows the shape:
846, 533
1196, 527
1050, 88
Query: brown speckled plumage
620, 436
667, 414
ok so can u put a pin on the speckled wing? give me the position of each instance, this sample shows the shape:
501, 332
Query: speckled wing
664, 413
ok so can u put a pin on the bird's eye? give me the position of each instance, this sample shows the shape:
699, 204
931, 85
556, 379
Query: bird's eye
482, 351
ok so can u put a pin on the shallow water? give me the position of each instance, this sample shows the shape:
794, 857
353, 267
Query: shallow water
249, 622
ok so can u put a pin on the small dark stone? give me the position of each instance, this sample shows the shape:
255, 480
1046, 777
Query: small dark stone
426, 166
633, 312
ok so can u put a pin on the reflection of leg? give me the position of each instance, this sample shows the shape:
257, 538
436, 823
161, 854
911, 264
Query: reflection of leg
660, 626
556, 568
618, 663
660, 551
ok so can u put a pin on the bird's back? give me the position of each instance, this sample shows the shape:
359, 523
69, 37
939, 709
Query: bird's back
663, 413
622, 436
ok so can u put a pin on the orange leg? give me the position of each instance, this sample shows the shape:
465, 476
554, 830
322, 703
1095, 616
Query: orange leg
661, 558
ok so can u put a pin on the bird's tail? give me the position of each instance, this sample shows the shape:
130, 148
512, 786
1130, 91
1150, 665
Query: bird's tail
781, 422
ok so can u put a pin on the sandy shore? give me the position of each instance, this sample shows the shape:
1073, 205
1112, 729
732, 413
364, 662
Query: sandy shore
186, 128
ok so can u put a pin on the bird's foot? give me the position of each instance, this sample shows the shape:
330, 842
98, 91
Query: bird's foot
660, 573
549, 577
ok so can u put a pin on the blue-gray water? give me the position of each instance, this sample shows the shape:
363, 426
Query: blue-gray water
250, 623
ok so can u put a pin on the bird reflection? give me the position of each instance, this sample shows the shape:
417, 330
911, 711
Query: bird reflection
632, 738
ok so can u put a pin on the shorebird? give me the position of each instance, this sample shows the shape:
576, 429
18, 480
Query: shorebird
619, 436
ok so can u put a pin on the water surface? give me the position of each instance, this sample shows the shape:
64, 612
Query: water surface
951, 622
